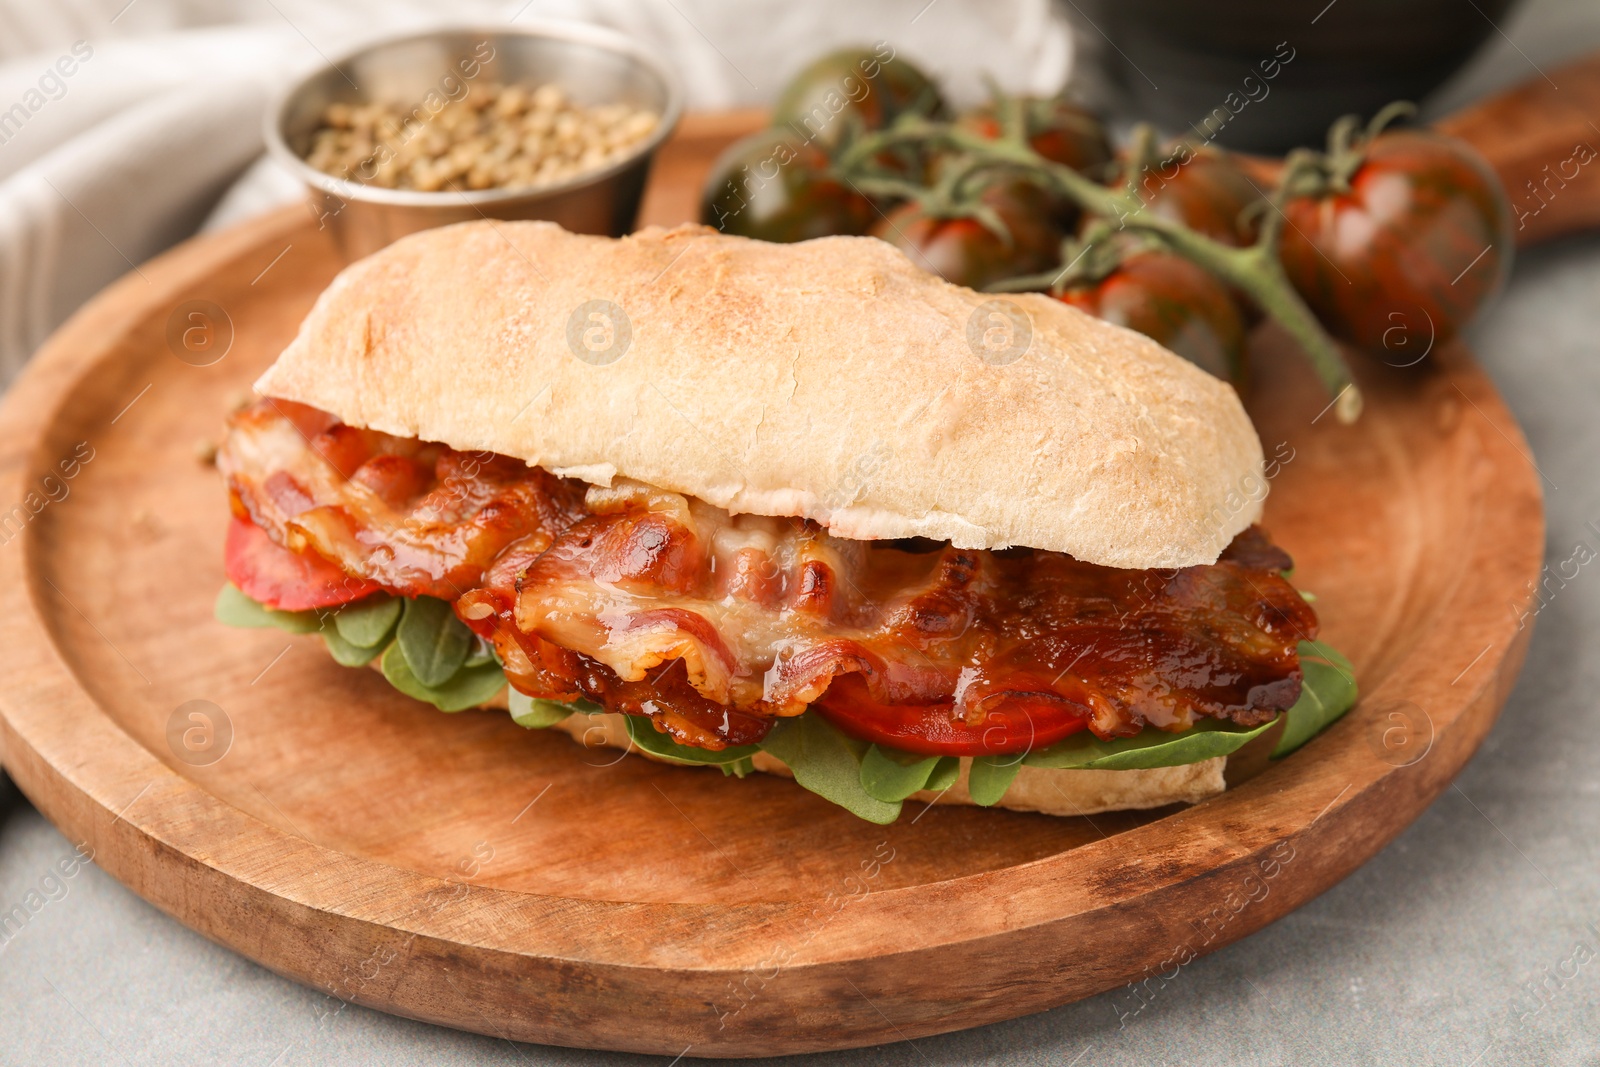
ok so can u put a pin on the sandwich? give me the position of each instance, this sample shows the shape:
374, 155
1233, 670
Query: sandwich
797, 509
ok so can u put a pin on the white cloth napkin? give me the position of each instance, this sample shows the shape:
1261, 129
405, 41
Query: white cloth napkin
125, 124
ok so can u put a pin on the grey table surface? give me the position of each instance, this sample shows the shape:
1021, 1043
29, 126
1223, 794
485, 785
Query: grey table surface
1426, 955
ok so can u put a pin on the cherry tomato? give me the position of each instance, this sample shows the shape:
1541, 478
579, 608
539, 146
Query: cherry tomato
774, 187
1059, 131
1404, 258
270, 574
853, 89
1175, 303
964, 251
1012, 723
1205, 190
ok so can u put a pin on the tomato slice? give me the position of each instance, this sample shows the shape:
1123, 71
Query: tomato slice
272, 575
1012, 722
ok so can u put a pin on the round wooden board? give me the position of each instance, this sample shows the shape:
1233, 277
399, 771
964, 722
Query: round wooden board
457, 869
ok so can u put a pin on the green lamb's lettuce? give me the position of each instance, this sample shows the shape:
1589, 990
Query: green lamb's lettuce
734, 760
988, 778
828, 763
347, 655
891, 776
236, 609
427, 653
368, 623
1207, 739
466, 688
532, 713
422, 648
433, 641
536, 714
945, 774
1328, 691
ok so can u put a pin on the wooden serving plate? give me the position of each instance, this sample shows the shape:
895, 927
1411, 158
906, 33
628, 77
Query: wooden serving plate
461, 870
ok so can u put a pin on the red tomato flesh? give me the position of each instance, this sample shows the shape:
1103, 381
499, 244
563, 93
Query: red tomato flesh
270, 574
1015, 722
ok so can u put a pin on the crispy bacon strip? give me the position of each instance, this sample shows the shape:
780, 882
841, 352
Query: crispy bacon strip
714, 624
419, 519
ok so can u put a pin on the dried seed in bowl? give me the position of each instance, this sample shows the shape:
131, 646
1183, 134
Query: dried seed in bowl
494, 137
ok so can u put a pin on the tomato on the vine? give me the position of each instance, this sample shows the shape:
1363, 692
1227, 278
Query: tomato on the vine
775, 187
853, 89
1175, 303
1058, 130
1406, 254
1206, 191
965, 251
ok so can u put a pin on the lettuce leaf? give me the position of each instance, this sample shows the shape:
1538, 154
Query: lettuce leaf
738, 768
945, 775
234, 608
1148, 748
988, 778
436, 639
344, 653
433, 641
532, 713
367, 623
653, 741
1328, 691
891, 776
466, 688
828, 763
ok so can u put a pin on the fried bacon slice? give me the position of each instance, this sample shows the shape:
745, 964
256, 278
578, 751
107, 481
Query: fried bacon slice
418, 519
713, 624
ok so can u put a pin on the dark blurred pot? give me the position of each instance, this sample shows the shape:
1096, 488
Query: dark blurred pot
1178, 60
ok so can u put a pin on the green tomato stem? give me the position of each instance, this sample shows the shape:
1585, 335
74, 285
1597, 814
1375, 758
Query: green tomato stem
878, 185
1256, 270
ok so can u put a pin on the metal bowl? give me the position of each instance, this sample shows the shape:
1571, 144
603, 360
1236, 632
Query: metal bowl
592, 64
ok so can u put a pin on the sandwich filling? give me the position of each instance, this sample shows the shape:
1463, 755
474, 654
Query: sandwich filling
714, 626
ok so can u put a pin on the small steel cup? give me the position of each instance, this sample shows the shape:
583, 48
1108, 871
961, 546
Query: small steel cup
592, 64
